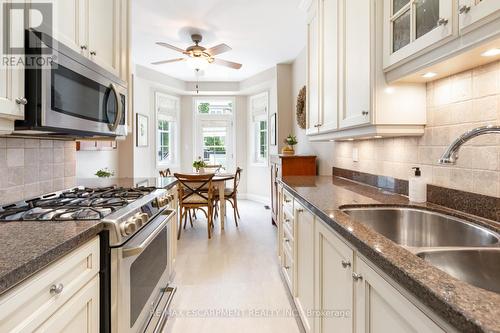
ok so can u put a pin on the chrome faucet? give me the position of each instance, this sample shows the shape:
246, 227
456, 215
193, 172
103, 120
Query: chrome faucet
450, 156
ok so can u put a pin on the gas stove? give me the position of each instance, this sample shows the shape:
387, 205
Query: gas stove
123, 210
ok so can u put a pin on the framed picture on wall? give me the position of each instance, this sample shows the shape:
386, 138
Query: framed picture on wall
142, 130
272, 130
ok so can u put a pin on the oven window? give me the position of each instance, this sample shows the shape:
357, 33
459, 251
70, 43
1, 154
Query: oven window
145, 272
76, 95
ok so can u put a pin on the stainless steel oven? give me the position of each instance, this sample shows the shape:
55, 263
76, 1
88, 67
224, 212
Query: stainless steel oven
140, 291
69, 94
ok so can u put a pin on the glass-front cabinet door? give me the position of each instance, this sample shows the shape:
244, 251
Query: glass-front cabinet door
413, 25
473, 13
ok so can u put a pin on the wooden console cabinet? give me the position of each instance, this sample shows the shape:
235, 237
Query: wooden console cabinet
288, 165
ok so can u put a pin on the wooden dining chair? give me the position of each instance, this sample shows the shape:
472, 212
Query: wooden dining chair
165, 173
195, 192
231, 195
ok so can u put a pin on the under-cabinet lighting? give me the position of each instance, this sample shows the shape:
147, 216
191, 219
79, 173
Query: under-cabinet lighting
377, 137
428, 75
332, 140
491, 53
350, 139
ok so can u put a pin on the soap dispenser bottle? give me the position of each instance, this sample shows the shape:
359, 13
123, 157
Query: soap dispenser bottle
417, 190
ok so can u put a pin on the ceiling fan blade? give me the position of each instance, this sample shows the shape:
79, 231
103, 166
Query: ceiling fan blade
175, 48
168, 61
226, 63
218, 49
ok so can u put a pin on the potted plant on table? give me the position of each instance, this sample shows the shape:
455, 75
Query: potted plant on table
290, 141
199, 164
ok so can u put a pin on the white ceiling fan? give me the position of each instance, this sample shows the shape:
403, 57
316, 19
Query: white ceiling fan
199, 55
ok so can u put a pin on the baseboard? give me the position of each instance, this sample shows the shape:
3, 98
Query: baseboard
256, 198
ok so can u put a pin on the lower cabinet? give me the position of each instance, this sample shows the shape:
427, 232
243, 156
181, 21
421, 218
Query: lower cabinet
63, 297
336, 289
380, 308
333, 282
304, 291
79, 315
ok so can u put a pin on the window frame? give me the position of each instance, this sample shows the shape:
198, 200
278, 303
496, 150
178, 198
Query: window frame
257, 115
174, 131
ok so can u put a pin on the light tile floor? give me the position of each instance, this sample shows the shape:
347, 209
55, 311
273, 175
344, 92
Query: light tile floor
232, 282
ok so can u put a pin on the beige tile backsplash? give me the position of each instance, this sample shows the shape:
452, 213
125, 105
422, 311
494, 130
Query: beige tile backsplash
454, 104
30, 167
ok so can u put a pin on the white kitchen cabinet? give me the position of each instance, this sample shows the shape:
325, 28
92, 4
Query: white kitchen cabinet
62, 295
103, 32
313, 69
354, 99
333, 282
304, 240
473, 13
411, 26
12, 96
329, 10
380, 308
79, 315
69, 27
357, 45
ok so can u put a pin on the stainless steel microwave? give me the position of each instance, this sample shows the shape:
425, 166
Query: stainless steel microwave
69, 95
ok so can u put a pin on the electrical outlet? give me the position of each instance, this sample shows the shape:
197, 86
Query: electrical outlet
355, 155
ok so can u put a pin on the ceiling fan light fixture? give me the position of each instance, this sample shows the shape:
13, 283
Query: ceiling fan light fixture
198, 63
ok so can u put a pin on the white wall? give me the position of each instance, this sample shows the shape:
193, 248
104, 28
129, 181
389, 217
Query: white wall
323, 150
88, 162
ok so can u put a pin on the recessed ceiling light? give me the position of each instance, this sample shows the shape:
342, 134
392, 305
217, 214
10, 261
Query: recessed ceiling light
491, 53
428, 75
390, 90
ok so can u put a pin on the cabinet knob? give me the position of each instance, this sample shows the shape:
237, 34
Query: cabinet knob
287, 267
464, 9
346, 263
83, 47
56, 289
93, 53
300, 210
357, 277
442, 21
21, 101
365, 113
287, 240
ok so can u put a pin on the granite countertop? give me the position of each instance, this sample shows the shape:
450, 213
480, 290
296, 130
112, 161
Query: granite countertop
467, 308
27, 247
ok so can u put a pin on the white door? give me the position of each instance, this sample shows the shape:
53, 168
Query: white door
313, 70
474, 13
215, 142
413, 25
380, 308
357, 58
11, 77
333, 281
330, 62
304, 238
103, 33
79, 315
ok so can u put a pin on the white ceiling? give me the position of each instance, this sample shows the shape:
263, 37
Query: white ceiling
262, 34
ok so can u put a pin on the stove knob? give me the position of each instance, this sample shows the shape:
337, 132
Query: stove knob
129, 227
143, 217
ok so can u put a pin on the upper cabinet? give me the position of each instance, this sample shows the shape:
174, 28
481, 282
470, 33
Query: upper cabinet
12, 97
473, 13
413, 25
441, 37
348, 96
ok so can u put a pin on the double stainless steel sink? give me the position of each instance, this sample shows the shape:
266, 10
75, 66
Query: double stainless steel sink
466, 251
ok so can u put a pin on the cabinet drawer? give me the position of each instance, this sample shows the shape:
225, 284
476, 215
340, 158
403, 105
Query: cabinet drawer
287, 201
288, 222
28, 305
288, 268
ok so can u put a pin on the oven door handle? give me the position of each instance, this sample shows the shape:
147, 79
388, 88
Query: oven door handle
134, 251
